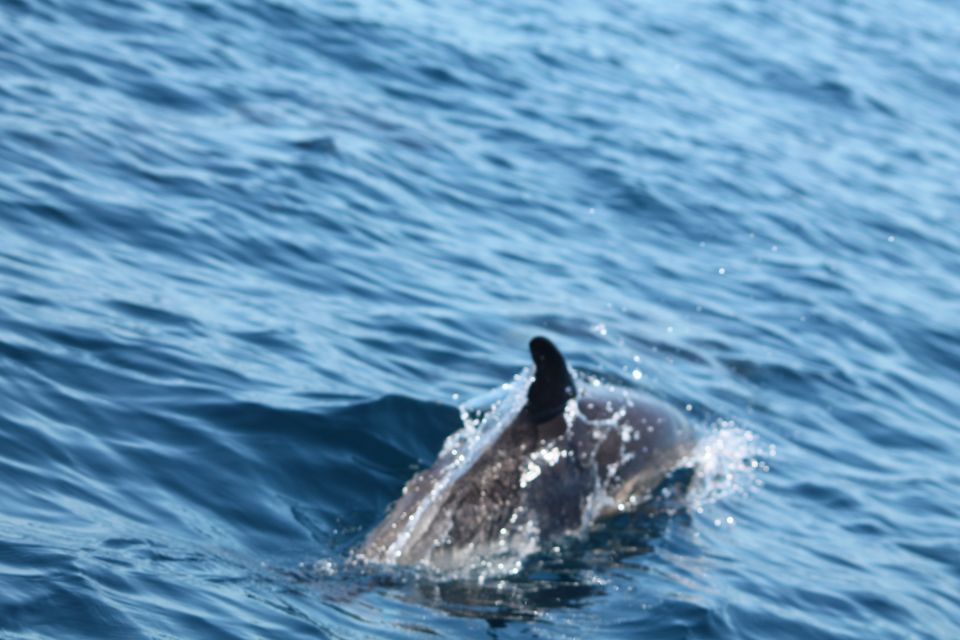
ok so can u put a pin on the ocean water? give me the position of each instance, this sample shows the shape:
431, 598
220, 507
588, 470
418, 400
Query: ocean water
256, 254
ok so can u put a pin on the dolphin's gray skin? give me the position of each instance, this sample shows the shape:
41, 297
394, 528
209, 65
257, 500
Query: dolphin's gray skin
554, 469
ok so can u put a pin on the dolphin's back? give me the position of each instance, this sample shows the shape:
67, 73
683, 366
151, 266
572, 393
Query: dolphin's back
643, 440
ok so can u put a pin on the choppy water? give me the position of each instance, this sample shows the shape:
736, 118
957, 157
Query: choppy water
254, 254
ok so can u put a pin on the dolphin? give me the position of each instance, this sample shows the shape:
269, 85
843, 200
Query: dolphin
569, 457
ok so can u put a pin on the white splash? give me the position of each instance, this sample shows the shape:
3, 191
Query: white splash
729, 461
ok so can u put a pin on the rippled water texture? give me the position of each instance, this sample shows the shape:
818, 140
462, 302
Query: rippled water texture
254, 254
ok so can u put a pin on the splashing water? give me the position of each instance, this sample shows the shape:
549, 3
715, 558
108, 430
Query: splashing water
487, 415
728, 462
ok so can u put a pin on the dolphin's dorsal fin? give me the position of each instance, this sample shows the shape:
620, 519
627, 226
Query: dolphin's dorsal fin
552, 384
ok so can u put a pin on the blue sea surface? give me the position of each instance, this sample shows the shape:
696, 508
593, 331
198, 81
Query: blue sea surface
254, 254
